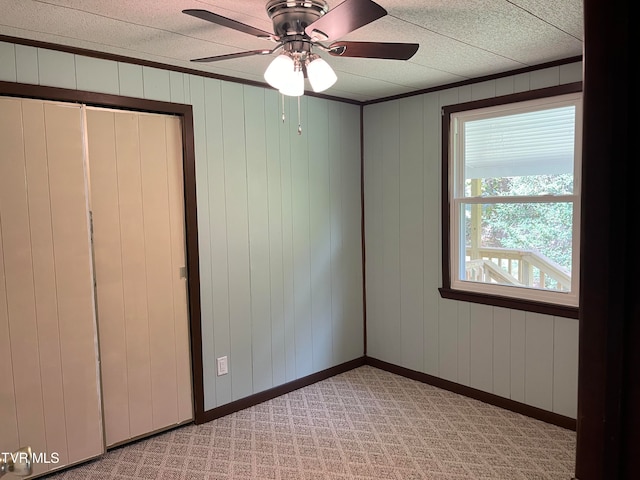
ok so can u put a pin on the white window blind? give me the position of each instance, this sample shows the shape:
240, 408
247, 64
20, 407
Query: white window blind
530, 143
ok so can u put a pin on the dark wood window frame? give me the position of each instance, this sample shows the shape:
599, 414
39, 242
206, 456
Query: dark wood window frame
495, 300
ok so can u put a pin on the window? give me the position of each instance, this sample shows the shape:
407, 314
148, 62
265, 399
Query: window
511, 212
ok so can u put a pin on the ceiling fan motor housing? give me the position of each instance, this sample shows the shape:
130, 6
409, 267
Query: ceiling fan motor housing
291, 17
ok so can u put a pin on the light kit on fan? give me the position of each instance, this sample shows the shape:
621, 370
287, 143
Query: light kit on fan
278, 70
321, 75
287, 71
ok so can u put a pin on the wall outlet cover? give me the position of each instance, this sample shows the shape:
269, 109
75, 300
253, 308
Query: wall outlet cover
223, 365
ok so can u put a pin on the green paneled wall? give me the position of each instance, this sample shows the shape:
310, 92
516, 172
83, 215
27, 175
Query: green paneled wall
530, 358
278, 216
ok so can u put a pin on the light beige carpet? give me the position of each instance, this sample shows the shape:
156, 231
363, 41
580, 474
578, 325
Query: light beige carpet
363, 424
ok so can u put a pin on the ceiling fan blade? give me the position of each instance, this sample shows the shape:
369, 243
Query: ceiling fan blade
391, 51
229, 56
346, 17
228, 22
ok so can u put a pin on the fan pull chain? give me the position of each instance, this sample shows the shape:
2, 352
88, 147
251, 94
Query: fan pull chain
299, 125
283, 116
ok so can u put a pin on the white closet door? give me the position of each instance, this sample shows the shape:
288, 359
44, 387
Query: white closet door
135, 163
49, 388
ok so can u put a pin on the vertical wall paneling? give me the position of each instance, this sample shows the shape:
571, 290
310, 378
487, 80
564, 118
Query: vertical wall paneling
346, 242
411, 231
301, 242
176, 84
272, 115
480, 91
539, 360
373, 228
518, 355
391, 230
548, 77
450, 97
27, 70
565, 366
464, 342
446, 319
505, 86
201, 140
218, 334
258, 215
336, 245
288, 277
187, 88
571, 73
448, 340
431, 225
351, 345
235, 162
464, 93
130, 80
320, 233
56, 69
156, 83
501, 352
8, 62
481, 347
522, 82
97, 75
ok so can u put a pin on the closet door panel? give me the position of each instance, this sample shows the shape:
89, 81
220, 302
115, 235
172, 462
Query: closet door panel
8, 420
137, 195
74, 281
110, 295
178, 261
44, 277
155, 199
134, 276
47, 320
18, 273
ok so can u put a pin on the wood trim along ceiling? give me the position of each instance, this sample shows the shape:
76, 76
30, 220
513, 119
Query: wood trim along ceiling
135, 61
147, 63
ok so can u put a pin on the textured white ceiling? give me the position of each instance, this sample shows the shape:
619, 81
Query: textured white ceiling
459, 39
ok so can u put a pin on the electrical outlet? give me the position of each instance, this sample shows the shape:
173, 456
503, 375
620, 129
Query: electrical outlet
223, 365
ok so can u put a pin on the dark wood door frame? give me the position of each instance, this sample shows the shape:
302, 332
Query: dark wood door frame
608, 429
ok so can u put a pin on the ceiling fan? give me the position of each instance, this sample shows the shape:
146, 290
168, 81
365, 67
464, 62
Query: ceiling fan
303, 25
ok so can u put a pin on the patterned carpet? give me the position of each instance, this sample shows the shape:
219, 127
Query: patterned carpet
364, 424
